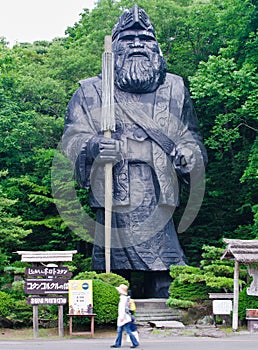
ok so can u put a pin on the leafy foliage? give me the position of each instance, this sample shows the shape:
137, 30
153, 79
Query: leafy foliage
6, 304
110, 278
113, 279
195, 283
105, 302
9, 223
180, 303
21, 314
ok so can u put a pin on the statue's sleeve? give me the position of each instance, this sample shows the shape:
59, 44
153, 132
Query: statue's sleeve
189, 140
79, 128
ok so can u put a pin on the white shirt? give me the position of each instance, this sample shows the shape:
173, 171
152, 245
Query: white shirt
123, 317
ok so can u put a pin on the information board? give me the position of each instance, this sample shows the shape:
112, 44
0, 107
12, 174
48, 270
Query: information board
80, 297
222, 307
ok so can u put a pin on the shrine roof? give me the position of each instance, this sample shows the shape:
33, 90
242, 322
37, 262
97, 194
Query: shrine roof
244, 251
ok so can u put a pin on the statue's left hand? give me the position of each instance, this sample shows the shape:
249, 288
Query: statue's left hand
184, 160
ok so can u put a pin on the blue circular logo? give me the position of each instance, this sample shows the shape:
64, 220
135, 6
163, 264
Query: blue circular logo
85, 286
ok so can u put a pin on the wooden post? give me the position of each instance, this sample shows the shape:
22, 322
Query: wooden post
60, 321
108, 124
70, 325
35, 321
236, 295
92, 326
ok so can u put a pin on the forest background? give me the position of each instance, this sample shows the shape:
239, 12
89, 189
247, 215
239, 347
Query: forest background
212, 44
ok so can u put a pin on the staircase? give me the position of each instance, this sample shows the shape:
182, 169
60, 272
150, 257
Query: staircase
155, 310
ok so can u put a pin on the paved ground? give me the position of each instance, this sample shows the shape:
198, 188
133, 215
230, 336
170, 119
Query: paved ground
159, 341
188, 338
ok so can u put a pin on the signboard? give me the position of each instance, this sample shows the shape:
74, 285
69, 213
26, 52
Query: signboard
46, 300
222, 307
42, 271
46, 286
80, 297
51, 280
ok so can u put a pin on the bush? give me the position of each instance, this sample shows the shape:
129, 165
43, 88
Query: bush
194, 284
190, 291
113, 279
48, 312
105, 302
110, 278
21, 313
87, 275
17, 290
6, 304
179, 303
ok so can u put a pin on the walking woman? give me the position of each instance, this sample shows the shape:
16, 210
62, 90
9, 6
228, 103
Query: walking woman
124, 318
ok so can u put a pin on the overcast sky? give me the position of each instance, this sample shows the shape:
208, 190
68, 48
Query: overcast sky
31, 20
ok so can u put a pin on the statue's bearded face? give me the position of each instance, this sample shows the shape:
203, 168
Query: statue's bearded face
139, 66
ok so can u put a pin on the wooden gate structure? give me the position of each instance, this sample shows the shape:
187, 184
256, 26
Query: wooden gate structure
242, 252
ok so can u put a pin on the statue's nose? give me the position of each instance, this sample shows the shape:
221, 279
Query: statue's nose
137, 43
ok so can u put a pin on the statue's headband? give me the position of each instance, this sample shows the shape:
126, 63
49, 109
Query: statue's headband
134, 18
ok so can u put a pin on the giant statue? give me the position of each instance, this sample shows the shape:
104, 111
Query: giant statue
155, 147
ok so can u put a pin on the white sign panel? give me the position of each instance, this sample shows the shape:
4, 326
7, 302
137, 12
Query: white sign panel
222, 307
80, 297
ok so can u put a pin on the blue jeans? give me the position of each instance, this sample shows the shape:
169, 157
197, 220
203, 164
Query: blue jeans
127, 328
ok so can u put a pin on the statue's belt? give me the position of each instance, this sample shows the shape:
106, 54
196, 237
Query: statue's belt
135, 153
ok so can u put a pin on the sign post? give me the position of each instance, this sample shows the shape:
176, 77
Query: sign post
60, 320
46, 284
35, 321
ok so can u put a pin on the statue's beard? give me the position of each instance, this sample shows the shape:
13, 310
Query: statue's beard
139, 74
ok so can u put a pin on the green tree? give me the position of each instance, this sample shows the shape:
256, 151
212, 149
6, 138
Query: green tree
193, 284
12, 228
225, 99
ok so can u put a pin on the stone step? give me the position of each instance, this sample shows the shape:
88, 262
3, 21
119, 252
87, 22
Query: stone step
155, 310
163, 314
157, 314
148, 318
151, 304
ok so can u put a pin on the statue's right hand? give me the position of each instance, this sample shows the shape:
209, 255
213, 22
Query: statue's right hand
104, 149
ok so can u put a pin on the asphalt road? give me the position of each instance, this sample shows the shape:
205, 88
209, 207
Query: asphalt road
237, 342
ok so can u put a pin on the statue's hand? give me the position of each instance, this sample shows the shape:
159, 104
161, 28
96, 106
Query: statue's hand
184, 160
104, 149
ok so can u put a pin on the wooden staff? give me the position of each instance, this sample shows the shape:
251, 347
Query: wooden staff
108, 125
